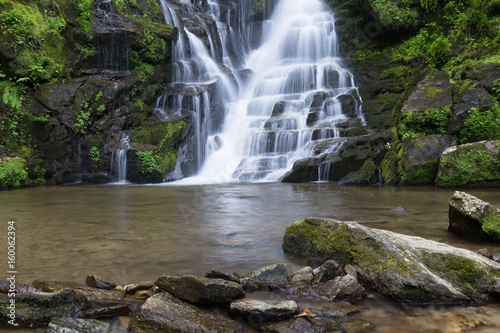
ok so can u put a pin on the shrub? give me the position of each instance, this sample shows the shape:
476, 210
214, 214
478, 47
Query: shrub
433, 121
13, 173
481, 126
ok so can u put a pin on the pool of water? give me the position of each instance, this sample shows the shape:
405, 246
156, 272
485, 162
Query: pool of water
136, 233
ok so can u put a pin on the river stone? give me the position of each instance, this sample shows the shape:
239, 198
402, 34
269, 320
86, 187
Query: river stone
51, 286
302, 278
327, 308
133, 287
166, 313
485, 253
343, 288
200, 290
473, 218
214, 274
96, 281
299, 325
328, 271
78, 325
276, 274
110, 311
36, 309
403, 267
358, 326
351, 270
260, 306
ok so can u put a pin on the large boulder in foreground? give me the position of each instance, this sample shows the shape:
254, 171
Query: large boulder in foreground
36, 309
473, 218
403, 267
166, 313
470, 165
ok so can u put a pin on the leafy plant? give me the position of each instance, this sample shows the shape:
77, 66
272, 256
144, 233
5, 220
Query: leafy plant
432, 121
481, 126
148, 163
95, 158
13, 173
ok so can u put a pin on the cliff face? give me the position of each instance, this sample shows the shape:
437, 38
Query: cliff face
76, 76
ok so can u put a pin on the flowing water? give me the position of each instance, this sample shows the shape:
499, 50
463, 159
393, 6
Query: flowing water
136, 233
295, 93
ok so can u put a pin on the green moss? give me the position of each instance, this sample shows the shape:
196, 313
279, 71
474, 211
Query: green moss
155, 164
368, 174
389, 168
469, 166
462, 270
491, 225
398, 72
433, 91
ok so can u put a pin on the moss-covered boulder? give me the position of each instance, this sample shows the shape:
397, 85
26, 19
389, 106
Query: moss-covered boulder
470, 165
402, 267
36, 309
420, 156
166, 313
473, 218
153, 151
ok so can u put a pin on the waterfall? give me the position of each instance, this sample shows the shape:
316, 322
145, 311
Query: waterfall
119, 161
285, 94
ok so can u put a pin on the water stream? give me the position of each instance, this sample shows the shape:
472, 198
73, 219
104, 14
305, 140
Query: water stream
138, 233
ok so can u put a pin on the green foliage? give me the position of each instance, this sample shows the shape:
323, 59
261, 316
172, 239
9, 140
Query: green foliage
399, 14
433, 121
13, 173
148, 163
84, 9
95, 158
16, 26
83, 118
11, 95
429, 5
438, 51
258, 5
481, 126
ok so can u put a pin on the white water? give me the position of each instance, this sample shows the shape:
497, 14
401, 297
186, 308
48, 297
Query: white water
119, 161
290, 103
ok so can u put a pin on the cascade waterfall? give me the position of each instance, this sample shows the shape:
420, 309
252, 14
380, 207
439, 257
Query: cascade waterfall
281, 93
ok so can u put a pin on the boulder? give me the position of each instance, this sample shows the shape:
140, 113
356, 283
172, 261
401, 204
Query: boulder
473, 218
433, 92
166, 313
470, 165
275, 274
472, 95
36, 309
215, 274
330, 309
420, 159
260, 306
200, 290
342, 288
109, 311
403, 267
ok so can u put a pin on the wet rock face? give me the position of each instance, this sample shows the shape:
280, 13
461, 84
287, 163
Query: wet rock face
67, 324
166, 313
275, 274
433, 92
473, 218
200, 290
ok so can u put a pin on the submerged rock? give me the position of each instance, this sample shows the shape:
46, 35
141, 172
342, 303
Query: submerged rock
473, 218
166, 313
36, 309
407, 268
299, 325
201, 290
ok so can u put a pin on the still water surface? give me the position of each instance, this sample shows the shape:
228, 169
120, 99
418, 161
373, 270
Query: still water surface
136, 233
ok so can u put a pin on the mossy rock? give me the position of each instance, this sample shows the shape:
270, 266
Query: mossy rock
470, 165
368, 173
420, 156
396, 265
